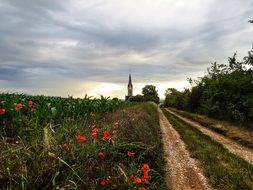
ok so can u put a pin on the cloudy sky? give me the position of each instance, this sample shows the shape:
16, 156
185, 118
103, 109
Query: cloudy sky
74, 47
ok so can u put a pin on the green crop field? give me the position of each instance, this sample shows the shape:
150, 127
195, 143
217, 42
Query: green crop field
22, 113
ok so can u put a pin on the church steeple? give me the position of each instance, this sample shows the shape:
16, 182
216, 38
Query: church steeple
129, 88
130, 80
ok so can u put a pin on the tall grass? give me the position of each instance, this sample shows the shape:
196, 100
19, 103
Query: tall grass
106, 149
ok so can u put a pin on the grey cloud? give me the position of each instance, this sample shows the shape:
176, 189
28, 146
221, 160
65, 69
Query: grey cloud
105, 51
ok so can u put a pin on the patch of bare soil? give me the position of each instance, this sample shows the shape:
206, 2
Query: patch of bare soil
183, 172
232, 146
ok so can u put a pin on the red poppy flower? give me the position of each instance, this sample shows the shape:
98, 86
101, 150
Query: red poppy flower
80, 138
18, 107
65, 146
130, 154
145, 175
94, 133
104, 182
106, 136
137, 180
144, 180
2, 111
30, 103
131, 177
145, 167
141, 188
101, 156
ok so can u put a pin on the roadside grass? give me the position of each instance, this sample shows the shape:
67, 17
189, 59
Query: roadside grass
52, 158
224, 170
238, 133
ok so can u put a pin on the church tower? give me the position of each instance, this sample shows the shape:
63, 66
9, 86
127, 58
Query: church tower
129, 88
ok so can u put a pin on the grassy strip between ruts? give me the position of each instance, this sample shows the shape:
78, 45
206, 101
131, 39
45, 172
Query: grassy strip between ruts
121, 150
224, 170
241, 134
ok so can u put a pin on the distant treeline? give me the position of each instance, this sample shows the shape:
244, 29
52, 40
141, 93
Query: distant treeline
149, 93
226, 92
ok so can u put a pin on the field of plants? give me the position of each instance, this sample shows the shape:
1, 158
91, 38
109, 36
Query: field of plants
68, 143
21, 113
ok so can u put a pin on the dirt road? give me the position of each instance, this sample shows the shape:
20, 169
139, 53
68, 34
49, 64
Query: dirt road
233, 147
182, 171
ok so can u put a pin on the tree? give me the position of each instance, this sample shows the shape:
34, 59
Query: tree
225, 92
171, 95
150, 93
137, 98
174, 98
248, 60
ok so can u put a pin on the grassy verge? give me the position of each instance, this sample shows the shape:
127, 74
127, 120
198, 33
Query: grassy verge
240, 134
224, 170
120, 150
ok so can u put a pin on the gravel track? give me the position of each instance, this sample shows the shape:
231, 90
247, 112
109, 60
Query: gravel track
232, 146
182, 171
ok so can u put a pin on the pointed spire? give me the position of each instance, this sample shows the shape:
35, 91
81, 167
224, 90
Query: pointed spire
130, 80
129, 88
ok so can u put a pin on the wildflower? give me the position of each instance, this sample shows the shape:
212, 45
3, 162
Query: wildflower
104, 182
145, 167
101, 156
2, 111
144, 180
131, 177
30, 103
130, 154
18, 107
94, 133
141, 188
106, 135
80, 138
137, 180
145, 175
65, 146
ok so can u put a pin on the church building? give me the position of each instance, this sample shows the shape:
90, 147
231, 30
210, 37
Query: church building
129, 88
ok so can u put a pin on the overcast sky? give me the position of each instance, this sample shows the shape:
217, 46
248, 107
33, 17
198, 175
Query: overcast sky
74, 47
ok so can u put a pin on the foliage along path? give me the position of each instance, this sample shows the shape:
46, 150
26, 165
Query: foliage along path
182, 171
233, 147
